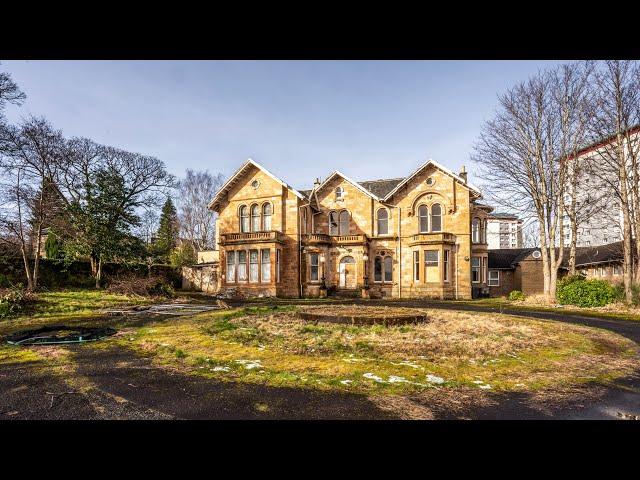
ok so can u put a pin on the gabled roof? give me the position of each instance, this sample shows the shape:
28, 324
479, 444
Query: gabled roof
439, 167
239, 173
355, 184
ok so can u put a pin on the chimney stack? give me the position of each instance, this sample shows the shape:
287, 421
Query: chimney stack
463, 173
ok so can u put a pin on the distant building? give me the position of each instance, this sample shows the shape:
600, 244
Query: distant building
504, 230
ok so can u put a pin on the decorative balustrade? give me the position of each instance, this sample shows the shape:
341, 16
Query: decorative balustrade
322, 238
432, 238
251, 237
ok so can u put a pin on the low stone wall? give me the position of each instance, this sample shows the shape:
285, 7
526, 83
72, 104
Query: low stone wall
363, 319
202, 278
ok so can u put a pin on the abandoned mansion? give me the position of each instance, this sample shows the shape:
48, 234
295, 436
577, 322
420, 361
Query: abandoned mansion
423, 235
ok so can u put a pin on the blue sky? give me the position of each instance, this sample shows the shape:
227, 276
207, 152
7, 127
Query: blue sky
300, 119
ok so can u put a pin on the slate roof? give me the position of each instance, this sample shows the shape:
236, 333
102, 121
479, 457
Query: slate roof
505, 258
598, 254
502, 258
381, 188
509, 216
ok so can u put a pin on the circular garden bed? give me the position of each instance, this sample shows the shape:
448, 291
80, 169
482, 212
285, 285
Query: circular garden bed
362, 315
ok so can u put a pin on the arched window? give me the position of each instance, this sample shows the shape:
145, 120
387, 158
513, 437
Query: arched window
423, 218
344, 222
436, 217
255, 218
333, 223
475, 231
244, 219
339, 193
266, 216
383, 269
383, 222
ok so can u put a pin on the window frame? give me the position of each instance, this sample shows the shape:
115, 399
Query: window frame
251, 264
255, 207
416, 266
262, 265
242, 264
315, 265
496, 280
425, 217
477, 268
231, 254
446, 257
385, 220
430, 263
243, 228
265, 216
439, 216
347, 223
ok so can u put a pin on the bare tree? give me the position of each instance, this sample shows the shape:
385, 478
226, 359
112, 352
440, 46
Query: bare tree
196, 220
148, 225
616, 114
103, 188
9, 92
523, 152
31, 153
14, 200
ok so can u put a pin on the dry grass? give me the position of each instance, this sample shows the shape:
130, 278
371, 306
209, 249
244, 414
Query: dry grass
469, 351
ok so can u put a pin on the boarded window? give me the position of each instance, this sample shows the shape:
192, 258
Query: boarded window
416, 266
344, 222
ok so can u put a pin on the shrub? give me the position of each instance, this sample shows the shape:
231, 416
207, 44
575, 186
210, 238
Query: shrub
15, 300
635, 293
585, 293
516, 295
152, 286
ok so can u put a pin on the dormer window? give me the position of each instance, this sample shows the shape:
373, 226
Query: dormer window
339, 193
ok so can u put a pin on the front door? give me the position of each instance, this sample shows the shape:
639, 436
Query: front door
347, 272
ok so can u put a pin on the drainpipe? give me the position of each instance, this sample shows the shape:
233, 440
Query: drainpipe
399, 250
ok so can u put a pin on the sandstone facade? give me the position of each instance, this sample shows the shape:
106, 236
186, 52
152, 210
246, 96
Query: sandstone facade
423, 235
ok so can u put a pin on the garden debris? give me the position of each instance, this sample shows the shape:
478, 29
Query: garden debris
56, 395
52, 335
176, 309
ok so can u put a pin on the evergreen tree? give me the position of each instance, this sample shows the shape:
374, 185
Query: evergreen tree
167, 237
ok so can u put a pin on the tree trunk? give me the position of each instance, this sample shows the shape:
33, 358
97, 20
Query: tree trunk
99, 273
36, 260
27, 268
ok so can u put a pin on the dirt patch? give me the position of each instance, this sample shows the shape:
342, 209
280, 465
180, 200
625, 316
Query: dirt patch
360, 315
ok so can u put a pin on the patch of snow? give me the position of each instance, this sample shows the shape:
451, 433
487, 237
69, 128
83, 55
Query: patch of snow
395, 379
250, 364
373, 377
478, 382
520, 385
346, 382
435, 379
485, 387
220, 369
